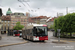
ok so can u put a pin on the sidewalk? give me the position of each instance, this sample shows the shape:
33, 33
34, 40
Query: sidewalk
10, 40
62, 39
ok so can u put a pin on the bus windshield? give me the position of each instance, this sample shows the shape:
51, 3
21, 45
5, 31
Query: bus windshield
40, 31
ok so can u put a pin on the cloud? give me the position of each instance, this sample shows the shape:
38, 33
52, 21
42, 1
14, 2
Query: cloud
46, 7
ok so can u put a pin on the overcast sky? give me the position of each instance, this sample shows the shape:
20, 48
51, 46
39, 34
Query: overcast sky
39, 7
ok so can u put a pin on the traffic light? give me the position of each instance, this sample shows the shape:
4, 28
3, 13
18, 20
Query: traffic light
0, 12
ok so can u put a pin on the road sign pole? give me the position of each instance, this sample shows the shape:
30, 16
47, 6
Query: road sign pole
59, 38
58, 34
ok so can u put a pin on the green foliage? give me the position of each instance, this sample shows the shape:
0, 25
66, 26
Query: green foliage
18, 26
55, 25
65, 23
52, 27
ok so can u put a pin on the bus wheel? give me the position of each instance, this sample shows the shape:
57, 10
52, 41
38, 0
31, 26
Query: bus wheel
42, 41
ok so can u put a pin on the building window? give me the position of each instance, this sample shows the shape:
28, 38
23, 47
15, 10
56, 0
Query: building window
14, 13
5, 28
2, 21
8, 24
13, 23
8, 21
24, 20
2, 27
18, 13
5, 21
5, 24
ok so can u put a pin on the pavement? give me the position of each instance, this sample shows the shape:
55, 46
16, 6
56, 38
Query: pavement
52, 38
10, 40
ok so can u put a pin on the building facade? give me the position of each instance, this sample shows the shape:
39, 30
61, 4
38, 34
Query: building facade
18, 17
39, 19
50, 21
6, 21
10, 20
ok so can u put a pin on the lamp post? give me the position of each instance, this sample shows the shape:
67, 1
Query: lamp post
0, 29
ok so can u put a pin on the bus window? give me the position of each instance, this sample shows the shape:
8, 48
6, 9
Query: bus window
34, 30
40, 31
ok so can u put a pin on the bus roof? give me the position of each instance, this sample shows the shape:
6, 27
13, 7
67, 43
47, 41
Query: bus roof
30, 26
39, 25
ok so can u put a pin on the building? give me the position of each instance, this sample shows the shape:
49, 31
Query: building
6, 21
19, 17
43, 21
9, 12
50, 21
59, 14
10, 20
30, 21
38, 19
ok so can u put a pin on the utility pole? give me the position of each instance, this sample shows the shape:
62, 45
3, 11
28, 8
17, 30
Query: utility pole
66, 10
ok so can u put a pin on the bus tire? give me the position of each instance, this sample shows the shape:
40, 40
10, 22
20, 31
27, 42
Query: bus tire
43, 41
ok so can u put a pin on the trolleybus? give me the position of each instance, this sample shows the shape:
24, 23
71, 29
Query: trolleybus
35, 32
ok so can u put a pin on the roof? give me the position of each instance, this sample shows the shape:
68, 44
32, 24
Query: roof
6, 18
30, 20
51, 19
9, 11
40, 17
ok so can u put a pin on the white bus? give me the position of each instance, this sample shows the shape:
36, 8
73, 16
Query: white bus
35, 32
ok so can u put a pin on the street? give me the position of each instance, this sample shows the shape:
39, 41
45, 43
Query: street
48, 45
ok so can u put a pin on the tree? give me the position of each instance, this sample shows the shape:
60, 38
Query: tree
70, 19
65, 23
18, 26
55, 26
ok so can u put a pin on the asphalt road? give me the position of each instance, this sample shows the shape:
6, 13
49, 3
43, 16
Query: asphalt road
48, 45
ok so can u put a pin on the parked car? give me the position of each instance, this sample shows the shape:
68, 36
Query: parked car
20, 31
20, 35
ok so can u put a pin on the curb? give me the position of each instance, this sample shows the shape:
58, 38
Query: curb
12, 44
65, 41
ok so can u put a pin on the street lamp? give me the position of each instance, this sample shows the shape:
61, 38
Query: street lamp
0, 29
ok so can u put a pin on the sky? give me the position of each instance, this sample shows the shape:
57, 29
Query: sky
48, 8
